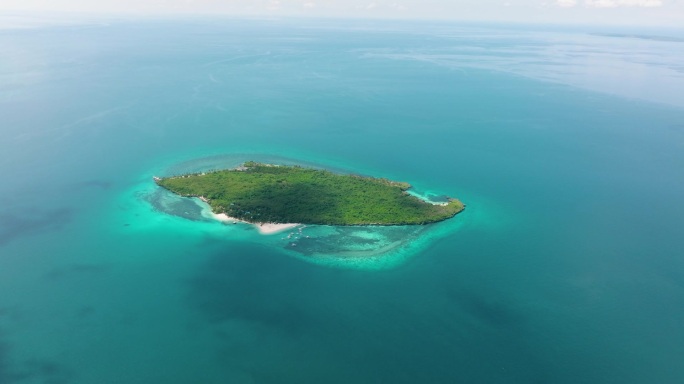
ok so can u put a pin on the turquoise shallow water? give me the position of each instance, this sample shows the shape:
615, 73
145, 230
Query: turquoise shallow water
566, 146
358, 247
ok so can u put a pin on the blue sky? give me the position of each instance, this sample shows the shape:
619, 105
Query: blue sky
630, 12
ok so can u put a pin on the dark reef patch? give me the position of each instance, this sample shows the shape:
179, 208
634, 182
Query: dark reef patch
44, 371
348, 325
166, 202
232, 283
488, 310
75, 270
14, 225
5, 376
31, 371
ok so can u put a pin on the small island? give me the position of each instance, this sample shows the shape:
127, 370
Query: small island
279, 194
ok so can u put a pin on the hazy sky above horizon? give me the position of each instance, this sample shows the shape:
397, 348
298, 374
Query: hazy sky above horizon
630, 12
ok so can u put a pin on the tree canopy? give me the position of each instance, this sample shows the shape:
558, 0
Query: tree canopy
264, 193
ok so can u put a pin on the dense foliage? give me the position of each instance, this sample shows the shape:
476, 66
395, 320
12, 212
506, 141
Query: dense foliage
292, 194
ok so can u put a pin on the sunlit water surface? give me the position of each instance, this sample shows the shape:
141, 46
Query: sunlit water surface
566, 146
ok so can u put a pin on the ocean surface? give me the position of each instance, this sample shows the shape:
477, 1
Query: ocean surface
566, 144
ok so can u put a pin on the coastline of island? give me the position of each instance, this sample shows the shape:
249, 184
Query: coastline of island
274, 198
263, 228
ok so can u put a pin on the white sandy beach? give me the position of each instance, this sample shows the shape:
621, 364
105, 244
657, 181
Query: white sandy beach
271, 228
264, 228
225, 218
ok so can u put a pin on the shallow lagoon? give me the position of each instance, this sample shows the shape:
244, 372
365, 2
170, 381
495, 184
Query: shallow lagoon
357, 247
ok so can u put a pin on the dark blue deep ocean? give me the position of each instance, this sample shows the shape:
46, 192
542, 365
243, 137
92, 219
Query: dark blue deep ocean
567, 145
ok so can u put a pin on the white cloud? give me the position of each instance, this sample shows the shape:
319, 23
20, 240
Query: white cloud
273, 5
566, 3
623, 3
630, 12
399, 7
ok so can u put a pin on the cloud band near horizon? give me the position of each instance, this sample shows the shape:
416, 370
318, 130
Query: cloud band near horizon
611, 3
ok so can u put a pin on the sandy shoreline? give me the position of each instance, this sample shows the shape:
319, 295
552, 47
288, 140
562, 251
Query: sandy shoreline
426, 199
264, 228
271, 228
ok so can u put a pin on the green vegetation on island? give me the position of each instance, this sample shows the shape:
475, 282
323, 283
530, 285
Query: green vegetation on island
264, 193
